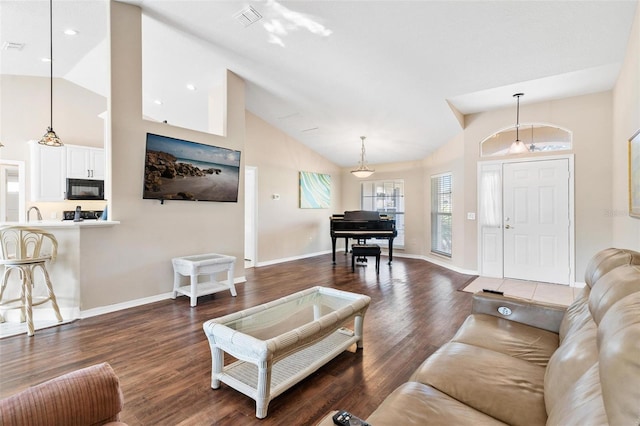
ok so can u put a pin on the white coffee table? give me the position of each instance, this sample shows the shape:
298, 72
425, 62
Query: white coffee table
202, 264
281, 342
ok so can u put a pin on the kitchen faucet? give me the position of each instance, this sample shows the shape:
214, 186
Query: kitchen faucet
37, 211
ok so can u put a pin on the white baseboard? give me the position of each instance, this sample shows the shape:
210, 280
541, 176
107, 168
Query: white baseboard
289, 259
124, 305
43, 314
437, 262
137, 302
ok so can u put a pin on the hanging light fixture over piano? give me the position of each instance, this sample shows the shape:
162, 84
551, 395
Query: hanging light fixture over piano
363, 171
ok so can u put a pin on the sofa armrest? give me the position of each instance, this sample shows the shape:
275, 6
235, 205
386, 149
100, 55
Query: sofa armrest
546, 316
90, 396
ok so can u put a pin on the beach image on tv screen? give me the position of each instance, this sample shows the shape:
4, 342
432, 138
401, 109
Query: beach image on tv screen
176, 169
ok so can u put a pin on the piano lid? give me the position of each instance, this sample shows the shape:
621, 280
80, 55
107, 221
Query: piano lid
361, 215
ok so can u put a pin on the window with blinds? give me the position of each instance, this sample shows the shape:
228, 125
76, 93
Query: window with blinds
441, 195
386, 197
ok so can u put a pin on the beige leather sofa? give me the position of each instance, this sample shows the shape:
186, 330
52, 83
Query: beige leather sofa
539, 365
90, 396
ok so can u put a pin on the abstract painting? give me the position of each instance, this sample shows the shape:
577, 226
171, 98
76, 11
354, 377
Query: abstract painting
315, 190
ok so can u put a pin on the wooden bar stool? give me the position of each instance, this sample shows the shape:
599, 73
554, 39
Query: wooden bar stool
363, 250
21, 249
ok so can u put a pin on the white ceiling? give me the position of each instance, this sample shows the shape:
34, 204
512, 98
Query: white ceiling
327, 72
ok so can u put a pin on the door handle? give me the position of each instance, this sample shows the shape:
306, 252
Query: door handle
507, 227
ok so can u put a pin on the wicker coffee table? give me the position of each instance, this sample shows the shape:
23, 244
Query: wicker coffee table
279, 343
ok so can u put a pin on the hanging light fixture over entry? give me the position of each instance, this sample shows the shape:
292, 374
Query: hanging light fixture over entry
363, 170
50, 138
518, 147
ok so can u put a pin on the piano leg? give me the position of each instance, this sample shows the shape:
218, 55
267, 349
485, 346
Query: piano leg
346, 246
333, 249
390, 250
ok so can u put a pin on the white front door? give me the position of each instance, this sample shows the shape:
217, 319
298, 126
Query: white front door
536, 223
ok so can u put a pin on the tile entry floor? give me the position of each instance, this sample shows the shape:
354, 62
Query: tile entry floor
541, 292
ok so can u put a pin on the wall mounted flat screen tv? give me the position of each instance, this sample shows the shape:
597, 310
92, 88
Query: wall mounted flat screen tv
177, 169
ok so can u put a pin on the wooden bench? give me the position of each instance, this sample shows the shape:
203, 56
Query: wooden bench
363, 250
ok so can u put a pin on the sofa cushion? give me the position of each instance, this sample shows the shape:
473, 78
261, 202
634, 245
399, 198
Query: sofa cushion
582, 404
607, 260
508, 337
612, 287
501, 386
582, 347
577, 315
418, 404
619, 345
577, 354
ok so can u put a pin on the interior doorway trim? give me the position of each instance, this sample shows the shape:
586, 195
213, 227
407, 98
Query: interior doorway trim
498, 164
250, 216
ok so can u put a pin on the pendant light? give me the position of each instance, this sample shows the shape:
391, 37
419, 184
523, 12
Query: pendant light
50, 138
363, 171
518, 147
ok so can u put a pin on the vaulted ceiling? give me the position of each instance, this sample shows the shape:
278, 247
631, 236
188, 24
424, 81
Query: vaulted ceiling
327, 72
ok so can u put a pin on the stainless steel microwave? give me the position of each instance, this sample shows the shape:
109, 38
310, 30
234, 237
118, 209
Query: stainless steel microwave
85, 189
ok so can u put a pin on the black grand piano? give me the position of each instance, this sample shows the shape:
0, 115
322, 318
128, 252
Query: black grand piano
361, 225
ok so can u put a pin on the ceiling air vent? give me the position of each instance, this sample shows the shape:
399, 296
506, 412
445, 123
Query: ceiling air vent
9, 45
247, 16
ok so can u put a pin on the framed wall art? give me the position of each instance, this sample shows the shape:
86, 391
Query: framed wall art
177, 169
315, 190
634, 175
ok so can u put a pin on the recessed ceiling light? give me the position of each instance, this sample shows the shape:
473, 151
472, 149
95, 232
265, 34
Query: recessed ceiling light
157, 102
191, 87
70, 31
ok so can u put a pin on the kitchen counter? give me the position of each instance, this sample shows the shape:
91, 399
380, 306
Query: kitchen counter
66, 271
63, 223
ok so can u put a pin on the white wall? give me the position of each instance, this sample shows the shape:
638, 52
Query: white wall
589, 117
285, 230
626, 121
133, 260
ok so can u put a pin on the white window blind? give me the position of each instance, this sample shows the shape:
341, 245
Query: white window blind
441, 196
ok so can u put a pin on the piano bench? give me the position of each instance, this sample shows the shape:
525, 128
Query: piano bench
362, 250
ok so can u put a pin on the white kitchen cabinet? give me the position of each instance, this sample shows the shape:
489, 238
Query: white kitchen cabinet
48, 166
85, 162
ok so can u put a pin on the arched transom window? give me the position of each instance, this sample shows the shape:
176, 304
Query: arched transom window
535, 137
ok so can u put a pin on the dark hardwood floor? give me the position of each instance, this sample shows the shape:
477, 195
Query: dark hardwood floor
162, 356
